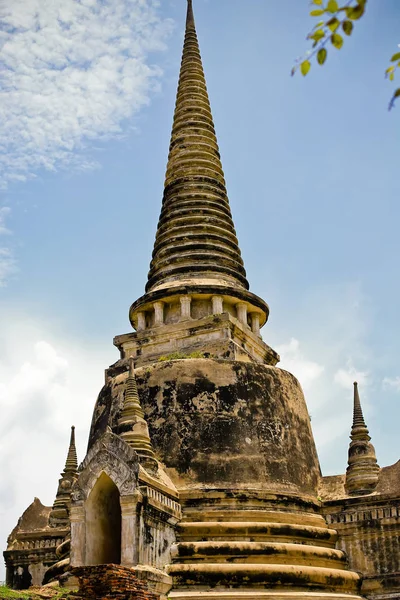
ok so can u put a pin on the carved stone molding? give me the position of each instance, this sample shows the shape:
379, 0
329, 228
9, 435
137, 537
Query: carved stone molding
112, 456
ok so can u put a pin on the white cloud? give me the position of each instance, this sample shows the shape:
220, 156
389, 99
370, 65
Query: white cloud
329, 350
73, 70
346, 377
47, 383
293, 360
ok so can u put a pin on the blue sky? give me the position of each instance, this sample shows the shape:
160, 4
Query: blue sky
312, 172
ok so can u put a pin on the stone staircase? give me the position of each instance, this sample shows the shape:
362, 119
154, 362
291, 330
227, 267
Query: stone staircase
257, 545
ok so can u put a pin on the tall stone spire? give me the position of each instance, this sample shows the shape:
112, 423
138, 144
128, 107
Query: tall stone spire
59, 515
362, 471
196, 271
132, 426
196, 238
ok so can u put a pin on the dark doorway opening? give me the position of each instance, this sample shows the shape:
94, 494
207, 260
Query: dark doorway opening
103, 523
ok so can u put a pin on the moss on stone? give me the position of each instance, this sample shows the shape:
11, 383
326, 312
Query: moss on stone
182, 355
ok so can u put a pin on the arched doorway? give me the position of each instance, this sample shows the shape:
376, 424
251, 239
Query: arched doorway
103, 523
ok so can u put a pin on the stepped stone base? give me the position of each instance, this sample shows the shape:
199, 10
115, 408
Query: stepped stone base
254, 594
264, 576
257, 546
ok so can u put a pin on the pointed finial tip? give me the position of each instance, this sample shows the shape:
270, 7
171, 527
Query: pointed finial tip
189, 16
73, 427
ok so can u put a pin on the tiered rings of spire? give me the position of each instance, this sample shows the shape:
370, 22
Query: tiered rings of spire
59, 515
363, 470
195, 236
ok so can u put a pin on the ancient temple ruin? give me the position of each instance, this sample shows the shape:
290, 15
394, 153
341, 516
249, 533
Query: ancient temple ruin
201, 473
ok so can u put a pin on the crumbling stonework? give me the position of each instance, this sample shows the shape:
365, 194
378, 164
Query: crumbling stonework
120, 511
111, 582
32, 547
213, 422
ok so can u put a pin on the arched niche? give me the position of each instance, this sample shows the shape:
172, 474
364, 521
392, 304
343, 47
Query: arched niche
103, 505
103, 523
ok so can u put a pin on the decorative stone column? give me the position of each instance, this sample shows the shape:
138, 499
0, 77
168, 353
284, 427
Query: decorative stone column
185, 307
255, 323
141, 321
129, 532
241, 311
217, 305
78, 535
158, 313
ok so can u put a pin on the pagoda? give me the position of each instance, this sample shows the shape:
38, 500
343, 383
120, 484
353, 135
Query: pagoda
201, 473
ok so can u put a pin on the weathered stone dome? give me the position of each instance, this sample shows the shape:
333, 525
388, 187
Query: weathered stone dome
219, 423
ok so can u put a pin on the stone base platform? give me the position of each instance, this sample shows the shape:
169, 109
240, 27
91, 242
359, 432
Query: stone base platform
265, 576
264, 595
275, 547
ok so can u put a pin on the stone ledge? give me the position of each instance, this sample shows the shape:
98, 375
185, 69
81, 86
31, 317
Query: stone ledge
256, 593
247, 552
281, 532
220, 336
280, 576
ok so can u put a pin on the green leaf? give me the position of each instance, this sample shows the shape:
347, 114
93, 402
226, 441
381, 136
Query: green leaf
347, 27
305, 67
332, 6
333, 24
390, 70
316, 13
317, 2
391, 76
337, 40
317, 35
356, 12
392, 101
321, 56
395, 57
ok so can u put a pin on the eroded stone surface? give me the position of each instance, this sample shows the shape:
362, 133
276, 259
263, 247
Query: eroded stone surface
31, 547
215, 422
111, 582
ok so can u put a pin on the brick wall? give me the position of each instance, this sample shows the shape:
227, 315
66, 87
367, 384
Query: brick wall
110, 582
